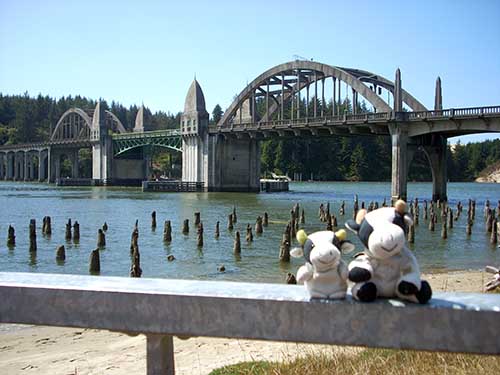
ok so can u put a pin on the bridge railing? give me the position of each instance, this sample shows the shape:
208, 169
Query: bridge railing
161, 309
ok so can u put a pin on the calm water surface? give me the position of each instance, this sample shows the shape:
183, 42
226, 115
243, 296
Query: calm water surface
120, 207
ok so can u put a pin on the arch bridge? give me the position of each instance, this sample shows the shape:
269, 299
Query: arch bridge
294, 99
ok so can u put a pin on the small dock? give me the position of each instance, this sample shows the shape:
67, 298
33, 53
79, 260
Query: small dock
272, 185
172, 186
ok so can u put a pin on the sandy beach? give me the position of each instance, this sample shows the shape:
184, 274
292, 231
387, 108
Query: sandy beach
53, 350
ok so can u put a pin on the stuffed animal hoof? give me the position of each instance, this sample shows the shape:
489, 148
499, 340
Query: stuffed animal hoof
367, 293
358, 275
425, 292
407, 288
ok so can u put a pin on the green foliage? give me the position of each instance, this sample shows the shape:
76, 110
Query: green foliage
217, 114
24, 119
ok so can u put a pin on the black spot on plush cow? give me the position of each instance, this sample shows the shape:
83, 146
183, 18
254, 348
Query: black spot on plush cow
386, 268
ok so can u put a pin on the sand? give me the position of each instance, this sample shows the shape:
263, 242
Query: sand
54, 350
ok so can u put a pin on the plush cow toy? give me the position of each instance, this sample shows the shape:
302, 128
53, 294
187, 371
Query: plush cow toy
386, 268
324, 274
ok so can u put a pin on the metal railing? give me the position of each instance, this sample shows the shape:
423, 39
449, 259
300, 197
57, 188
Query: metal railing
161, 309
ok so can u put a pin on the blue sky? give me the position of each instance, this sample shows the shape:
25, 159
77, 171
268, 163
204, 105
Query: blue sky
149, 51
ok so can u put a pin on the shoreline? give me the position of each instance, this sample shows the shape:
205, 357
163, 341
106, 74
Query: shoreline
57, 350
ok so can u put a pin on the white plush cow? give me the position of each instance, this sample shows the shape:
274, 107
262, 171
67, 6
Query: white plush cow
386, 268
324, 274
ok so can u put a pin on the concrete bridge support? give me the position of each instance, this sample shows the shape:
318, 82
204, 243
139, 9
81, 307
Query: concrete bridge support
400, 161
233, 164
436, 153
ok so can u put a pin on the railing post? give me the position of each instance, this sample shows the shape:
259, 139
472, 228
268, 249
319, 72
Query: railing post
160, 355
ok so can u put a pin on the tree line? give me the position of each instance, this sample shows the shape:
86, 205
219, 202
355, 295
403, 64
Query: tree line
347, 158
31, 119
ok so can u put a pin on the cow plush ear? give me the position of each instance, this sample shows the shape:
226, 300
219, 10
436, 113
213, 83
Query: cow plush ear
408, 220
346, 247
297, 252
352, 226
301, 237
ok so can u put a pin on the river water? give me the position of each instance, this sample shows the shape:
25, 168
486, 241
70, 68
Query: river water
120, 207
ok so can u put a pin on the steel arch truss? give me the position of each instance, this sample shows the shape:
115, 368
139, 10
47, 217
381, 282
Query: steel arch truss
284, 83
170, 139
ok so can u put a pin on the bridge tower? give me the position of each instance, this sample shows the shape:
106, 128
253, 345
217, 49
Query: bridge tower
102, 147
194, 131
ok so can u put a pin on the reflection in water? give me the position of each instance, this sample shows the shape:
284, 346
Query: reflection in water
121, 207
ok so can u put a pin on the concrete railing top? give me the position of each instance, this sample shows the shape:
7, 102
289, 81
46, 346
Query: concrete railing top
458, 322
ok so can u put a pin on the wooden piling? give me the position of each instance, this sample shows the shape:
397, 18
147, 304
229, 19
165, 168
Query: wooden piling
32, 232
135, 268
450, 218
11, 236
284, 255
197, 219
101, 239
230, 221
249, 236
76, 232
105, 227
432, 222
167, 231
47, 226
342, 209
329, 222
61, 253
200, 235
67, 235
334, 222
258, 225
290, 279
185, 227
94, 262
302, 217
425, 210
134, 240
235, 218
237, 243
444, 230
266, 220
411, 234
493, 237
489, 221
217, 232
153, 220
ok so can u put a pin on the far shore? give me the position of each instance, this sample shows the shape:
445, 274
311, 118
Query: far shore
55, 350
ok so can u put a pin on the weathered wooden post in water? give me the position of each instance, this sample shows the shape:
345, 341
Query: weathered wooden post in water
105, 227
230, 226
235, 218
95, 262
60, 253
167, 231
67, 235
285, 245
200, 235
411, 233
258, 225
11, 236
46, 226
134, 240
197, 219
153, 220
76, 232
266, 220
101, 239
249, 236
493, 237
135, 268
290, 279
217, 230
185, 227
237, 243
302, 217
32, 236
342, 209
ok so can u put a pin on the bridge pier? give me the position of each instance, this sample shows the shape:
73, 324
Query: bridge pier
400, 161
436, 153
